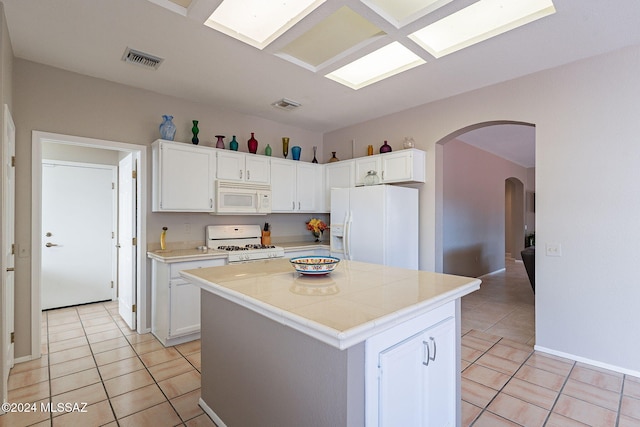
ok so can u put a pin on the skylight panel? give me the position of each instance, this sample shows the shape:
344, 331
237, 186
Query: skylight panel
259, 22
478, 22
385, 62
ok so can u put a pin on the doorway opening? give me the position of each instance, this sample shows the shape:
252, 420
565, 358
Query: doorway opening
130, 280
476, 225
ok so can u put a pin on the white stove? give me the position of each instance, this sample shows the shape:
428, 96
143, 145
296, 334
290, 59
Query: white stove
241, 242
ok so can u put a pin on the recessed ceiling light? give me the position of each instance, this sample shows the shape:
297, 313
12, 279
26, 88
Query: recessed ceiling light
259, 22
385, 62
477, 22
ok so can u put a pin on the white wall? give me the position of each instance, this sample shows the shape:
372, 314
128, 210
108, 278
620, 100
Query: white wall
587, 156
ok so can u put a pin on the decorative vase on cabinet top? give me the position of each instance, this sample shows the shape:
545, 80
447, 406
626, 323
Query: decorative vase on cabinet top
267, 150
333, 157
253, 144
233, 145
167, 128
220, 143
315, 148
295, 152
386, 148
285, 146
195, 131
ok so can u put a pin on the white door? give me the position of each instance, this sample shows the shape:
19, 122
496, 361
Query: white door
78, 226
8, 232
127, 249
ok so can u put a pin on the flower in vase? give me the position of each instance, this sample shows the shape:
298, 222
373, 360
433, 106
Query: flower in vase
316, 226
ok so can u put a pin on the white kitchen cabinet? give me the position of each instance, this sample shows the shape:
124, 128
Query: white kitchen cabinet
175, 315
399, 166
416, 372
183, 177
296, 186
338, 175
234, 166
403, 166
366, 164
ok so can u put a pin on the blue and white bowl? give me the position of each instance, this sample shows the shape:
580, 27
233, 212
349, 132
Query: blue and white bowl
314, 264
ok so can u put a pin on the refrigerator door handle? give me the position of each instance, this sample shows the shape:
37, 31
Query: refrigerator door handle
347, 236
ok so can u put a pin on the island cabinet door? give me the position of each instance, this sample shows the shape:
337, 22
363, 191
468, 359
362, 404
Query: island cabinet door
417, 379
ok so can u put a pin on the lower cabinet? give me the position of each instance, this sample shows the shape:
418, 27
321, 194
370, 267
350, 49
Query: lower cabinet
416, 372
175, 315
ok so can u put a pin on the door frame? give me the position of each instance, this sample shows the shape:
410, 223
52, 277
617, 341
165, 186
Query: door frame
37, 138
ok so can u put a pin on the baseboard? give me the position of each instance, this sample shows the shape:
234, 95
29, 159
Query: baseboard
502, 270
214, 417
588, 361
27, 358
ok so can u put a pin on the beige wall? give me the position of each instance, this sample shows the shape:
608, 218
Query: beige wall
474, 225
587, 198
58, 101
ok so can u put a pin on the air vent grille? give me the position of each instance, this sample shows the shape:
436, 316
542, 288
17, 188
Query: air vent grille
141, 58
286, 104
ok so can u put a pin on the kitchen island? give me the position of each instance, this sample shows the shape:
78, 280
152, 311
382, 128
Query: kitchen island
365, 345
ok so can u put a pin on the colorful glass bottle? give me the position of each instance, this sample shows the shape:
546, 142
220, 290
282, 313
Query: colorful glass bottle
253, 144
195, 131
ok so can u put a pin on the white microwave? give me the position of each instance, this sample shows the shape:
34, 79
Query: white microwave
241, 198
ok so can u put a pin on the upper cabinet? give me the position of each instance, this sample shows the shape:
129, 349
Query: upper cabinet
400, 166
183, 177
296, 186
338, 175
234, 166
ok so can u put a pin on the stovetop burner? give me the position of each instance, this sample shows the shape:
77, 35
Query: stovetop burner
244, 248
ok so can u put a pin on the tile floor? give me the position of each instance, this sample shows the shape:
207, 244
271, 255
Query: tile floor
506, 383
127, 379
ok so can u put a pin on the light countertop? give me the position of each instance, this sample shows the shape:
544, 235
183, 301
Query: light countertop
193, 254
343, 308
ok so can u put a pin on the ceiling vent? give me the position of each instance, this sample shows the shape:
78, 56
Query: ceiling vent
286, 104
141, 58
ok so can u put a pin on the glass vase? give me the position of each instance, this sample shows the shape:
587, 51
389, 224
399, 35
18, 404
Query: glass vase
315, 148
333, 157
233, 145
195, 131
386, 148
253, 144
295, 152
220, 143
285, 146
167, 128
267, 150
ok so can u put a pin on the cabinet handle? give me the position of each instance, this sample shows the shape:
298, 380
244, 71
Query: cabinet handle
248, 175
427, 351
293, 206
299, 206
383, 175
240, 173
211, 203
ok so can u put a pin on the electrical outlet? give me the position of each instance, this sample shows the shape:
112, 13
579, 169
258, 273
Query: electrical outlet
553, 249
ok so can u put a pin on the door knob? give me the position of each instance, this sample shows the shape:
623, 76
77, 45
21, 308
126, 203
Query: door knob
49, 244
48, 234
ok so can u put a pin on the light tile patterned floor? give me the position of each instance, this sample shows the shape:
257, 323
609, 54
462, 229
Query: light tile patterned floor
126, 379
132, 380
506, 383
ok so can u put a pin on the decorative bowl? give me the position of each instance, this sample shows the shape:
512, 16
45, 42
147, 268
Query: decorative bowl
314, 264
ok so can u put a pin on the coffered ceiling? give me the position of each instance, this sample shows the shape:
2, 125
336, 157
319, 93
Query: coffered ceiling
205, 65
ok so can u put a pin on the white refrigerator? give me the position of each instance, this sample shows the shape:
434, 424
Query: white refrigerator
377, 224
